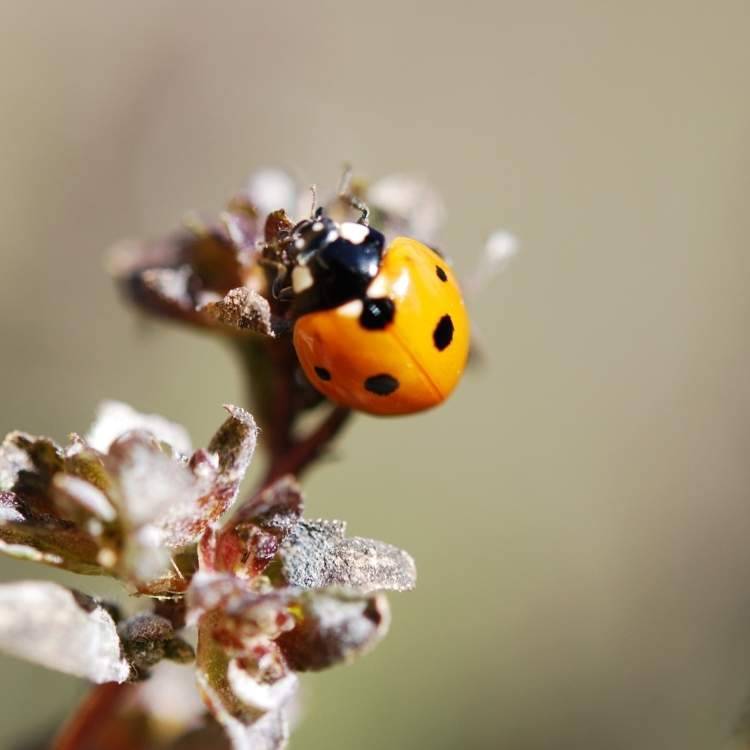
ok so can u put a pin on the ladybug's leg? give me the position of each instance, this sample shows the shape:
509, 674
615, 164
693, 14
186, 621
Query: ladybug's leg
282, 293
278, 291
362, 207
345, 193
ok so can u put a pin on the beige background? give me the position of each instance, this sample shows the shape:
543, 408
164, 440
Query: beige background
579, 510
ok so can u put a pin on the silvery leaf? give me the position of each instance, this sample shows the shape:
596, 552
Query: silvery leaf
60, 629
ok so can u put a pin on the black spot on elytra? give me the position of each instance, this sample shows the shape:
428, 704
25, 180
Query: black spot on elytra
381, 385
322, 373
443, 333
441, 274
377, 313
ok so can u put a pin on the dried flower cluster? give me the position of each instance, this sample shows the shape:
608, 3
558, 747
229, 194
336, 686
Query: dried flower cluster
267, 592
248, 590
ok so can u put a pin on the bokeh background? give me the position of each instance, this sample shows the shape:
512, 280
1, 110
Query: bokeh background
580, 510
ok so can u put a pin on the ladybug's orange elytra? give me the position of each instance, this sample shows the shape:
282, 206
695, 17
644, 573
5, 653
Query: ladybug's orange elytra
383, 330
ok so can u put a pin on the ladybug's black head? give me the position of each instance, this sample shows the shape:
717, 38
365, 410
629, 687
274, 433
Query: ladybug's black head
311, 235
335, 262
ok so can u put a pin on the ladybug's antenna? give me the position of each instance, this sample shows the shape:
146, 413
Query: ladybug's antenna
345, 183
345, 193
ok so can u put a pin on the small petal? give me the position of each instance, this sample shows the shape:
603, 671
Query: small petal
499, 250
248, 727
153, 486
277, 506
60, 629
240, 612
249, 540
234, 444
84, 462
32, 554
80, 493
114, 418
9, 508
210, 591
171, 285
408, 205
27, 464
170, 696
130, 256
259, 695
12, 461
271, 189
501, 246
247, 730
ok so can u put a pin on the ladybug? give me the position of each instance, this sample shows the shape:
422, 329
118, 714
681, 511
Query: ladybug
381, 329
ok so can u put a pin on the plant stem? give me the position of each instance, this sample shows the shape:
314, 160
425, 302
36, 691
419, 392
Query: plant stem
84, 728
277, 401
302, 453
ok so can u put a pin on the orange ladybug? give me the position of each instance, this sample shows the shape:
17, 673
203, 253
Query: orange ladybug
380, 329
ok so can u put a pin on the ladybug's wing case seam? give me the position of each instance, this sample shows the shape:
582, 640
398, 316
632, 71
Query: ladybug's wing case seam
426, 375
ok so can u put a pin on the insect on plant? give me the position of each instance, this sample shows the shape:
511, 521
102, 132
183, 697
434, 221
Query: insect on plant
232, 596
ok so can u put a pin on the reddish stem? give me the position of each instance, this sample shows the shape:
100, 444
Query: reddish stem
302, 453
283, 413
83, 730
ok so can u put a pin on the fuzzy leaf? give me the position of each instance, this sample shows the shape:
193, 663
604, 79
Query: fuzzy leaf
317, 555
60, 629
243, 309
333, 627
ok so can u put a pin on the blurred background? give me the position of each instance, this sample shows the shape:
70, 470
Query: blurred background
580, 509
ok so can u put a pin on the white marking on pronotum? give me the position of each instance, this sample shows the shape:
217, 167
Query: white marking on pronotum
351, 309
401, 284
301, 279
354, 233
378, 287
